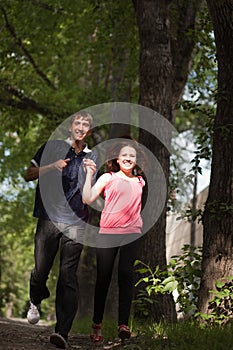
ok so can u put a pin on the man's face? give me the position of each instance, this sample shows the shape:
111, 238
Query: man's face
79, 129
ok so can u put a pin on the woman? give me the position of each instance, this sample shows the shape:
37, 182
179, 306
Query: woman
120, 219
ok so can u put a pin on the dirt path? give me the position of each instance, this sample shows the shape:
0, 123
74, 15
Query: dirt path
19, 335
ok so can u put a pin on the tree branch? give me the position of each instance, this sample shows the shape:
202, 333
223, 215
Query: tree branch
19, 42
45, 6
183, 18
24, 103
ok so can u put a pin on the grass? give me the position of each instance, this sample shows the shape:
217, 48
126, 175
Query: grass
185, 335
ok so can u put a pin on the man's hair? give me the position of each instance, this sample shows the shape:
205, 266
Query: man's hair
84, 115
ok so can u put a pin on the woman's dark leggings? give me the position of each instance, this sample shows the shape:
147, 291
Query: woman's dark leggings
105, 263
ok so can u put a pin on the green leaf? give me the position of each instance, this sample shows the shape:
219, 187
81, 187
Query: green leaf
168, 279
170, 286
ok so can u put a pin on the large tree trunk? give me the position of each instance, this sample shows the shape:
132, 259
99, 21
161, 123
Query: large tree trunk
162, 78
218, 217
156, 93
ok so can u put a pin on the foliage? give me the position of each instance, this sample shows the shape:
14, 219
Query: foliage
16, 258
182, 274
63, 55
220, 306
195, 336
200, 92
56, 58
183, 335
186, 269
195, 116
16, 253
154, 282
201, 136
189, 334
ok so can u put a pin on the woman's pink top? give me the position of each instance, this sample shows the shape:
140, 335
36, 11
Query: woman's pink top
122, 209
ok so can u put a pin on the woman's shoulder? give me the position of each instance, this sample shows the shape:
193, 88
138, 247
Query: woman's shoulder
105, 178
106, 175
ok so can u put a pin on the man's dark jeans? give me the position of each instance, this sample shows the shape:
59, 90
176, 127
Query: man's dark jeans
48, 238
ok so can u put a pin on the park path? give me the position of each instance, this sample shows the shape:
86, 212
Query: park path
17, 334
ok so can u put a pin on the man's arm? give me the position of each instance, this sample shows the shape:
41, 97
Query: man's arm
33, 172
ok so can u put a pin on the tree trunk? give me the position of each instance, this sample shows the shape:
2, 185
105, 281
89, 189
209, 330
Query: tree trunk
162, 79
156, 93
183, 16
218, 217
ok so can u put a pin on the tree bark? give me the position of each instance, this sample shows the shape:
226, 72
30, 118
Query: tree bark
218, 217
183, 16
165, 57
156, 93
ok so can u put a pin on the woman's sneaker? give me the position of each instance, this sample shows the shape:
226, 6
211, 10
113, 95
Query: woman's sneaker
124, 332
33, 315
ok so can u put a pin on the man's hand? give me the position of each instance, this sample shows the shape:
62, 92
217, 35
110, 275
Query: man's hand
33, 172
60, 164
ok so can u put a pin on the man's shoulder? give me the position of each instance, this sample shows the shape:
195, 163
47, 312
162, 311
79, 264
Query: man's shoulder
56, 145
52, 150
87, 149
89, 153
57, 142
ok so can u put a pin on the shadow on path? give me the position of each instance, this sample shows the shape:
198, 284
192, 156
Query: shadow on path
18, 334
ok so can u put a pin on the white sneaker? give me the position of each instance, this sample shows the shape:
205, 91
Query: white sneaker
33, 315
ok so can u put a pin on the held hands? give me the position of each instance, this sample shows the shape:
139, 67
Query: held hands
89, 166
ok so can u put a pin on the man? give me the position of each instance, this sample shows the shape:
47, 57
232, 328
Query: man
61, 222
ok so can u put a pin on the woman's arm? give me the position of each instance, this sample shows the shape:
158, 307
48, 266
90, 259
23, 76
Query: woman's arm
90, 193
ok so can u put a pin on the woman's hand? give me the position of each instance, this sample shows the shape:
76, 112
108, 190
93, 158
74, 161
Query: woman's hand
89, 166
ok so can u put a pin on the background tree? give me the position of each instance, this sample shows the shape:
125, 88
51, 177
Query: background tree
166, 32
59, 56
218, 216
56, 57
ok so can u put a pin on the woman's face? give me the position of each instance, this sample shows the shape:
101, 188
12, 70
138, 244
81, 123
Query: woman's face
127, 158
